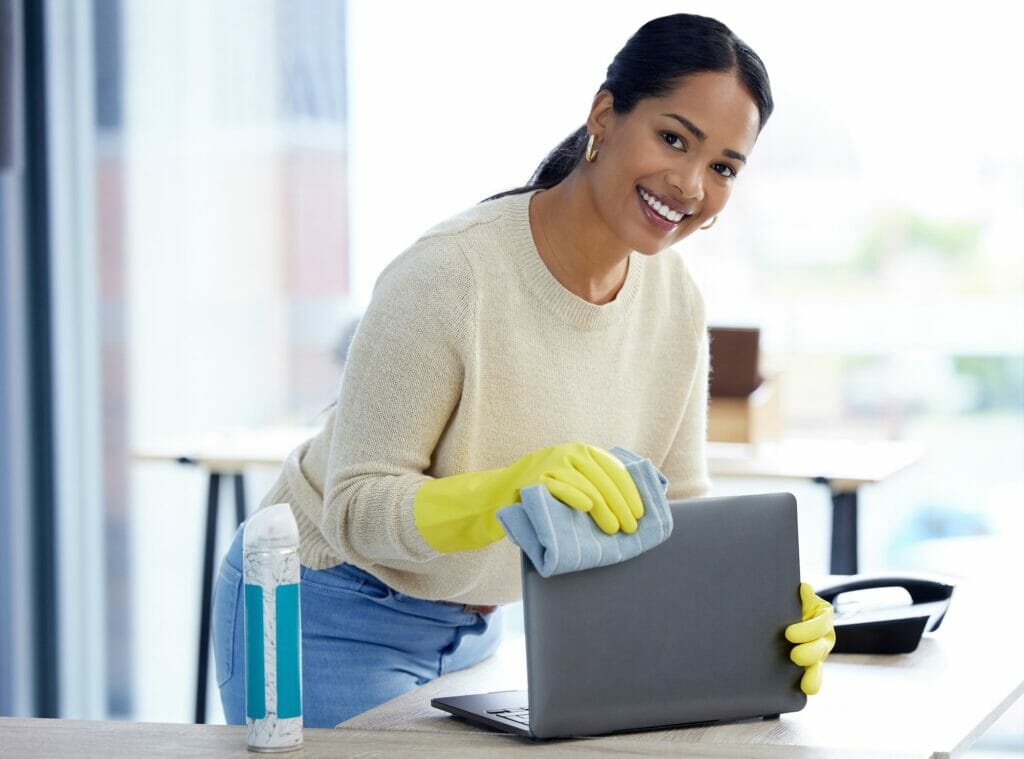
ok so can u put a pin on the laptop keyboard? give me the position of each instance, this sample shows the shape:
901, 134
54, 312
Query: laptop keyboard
520, 715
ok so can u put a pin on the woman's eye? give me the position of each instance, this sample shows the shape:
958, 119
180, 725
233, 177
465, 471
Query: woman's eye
673, 140
725, 170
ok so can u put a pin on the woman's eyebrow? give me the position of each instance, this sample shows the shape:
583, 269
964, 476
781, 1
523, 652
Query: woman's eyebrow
699, 134
688, 124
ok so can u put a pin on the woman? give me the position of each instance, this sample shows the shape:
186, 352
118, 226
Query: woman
547, 314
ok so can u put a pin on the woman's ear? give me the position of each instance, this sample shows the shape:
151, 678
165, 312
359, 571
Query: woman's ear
600, 114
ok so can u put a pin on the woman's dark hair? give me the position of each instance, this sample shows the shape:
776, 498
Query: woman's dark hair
653, 62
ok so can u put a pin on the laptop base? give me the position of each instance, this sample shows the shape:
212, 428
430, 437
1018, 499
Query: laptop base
487, 709
490, 709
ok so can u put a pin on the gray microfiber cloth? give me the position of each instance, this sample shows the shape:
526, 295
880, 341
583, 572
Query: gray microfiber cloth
560, 539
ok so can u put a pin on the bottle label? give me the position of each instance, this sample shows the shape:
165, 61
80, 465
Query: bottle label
273, 649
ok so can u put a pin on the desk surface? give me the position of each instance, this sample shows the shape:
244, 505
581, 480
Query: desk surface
935, 701
46, 738
846, 465
230, 450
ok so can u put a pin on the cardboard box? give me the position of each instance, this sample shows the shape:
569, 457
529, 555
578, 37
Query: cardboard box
735, 354
755, 418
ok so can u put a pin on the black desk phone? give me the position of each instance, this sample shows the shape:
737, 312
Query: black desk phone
889, 629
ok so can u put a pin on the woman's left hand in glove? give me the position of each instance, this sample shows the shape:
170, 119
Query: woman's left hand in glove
814, 635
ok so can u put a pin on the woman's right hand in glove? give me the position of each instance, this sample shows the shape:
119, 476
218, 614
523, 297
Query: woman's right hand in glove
457, 513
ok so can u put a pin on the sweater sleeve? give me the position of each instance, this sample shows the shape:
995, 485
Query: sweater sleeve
686, 465
403, 380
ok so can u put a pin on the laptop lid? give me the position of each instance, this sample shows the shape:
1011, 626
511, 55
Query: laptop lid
691, 631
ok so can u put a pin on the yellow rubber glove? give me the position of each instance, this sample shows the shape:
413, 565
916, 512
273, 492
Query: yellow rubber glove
457, 513
815, 636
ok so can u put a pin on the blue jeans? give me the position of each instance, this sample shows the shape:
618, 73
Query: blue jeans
362, 642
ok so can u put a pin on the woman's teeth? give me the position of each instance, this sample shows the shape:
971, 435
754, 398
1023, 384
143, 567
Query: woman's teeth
660, 208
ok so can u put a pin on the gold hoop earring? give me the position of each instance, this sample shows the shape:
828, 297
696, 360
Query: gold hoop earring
713, 220
591, 151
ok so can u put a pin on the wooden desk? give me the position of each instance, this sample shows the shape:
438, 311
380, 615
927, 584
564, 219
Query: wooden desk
933, 702
52, 738
842, 467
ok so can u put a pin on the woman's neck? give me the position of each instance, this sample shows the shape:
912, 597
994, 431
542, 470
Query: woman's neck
575, 244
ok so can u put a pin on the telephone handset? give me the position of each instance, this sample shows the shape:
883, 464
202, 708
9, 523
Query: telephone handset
891, 629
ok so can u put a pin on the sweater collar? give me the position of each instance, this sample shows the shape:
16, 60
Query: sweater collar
549, 291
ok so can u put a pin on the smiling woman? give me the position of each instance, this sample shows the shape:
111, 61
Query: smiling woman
500, 351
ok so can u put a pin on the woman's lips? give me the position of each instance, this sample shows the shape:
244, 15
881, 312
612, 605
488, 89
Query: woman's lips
656, 219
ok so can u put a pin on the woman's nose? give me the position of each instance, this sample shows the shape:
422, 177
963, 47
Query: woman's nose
687, 180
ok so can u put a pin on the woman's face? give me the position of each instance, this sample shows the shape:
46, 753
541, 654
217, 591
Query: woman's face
681, 152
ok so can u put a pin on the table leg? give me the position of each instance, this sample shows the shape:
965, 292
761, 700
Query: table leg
844, 533
212, 500
239, 497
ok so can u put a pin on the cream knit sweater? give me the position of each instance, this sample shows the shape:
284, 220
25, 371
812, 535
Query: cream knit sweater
470, 355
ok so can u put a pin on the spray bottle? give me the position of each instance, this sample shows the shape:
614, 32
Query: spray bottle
273, 633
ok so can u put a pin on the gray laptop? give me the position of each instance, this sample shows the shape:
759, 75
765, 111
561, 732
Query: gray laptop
690, 632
